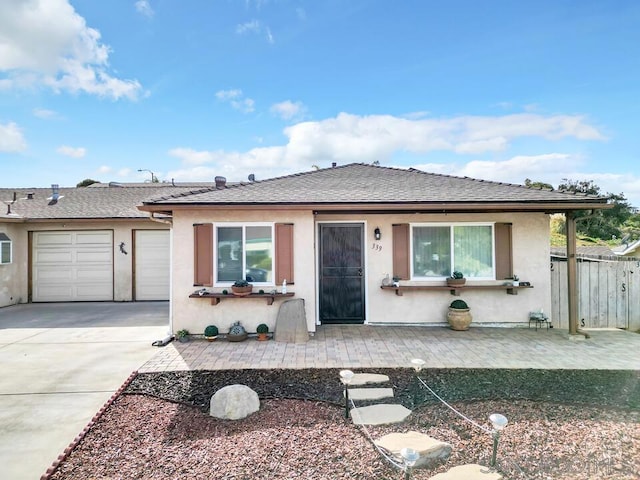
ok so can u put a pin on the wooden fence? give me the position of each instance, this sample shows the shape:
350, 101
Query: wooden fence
608, 293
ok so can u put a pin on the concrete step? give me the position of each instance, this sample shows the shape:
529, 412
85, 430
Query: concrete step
365, 378
472, 471
432, 451
380, 414
369, 393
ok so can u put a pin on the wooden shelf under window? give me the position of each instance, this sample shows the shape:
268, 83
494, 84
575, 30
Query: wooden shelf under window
510, 289
216, 297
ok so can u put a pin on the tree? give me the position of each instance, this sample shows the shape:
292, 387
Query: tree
603, 224
86, 182
530, 183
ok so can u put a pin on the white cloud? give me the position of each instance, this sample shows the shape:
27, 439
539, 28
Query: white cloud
249, 27
45, 42
350, 138
236, 99
255, 27
549, 168
74, 152
104, 169
144, 8
44, 113
11, 138
288, 109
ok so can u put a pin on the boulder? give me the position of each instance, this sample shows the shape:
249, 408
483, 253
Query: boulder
234, 402
291, 322
432, 452
472, 471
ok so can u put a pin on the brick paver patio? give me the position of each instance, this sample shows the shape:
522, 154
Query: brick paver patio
362, 346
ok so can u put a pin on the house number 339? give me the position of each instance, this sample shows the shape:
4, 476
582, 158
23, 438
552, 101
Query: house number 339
377, 247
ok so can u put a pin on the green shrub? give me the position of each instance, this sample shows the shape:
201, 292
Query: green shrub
459, 304
211, 331
262, 328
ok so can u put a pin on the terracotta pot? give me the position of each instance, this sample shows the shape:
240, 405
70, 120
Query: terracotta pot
242, 291
262, 337
211, 339
456, 282
459, 318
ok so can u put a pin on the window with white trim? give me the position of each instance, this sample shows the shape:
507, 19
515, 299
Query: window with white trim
244, 252
5, 249
437, 250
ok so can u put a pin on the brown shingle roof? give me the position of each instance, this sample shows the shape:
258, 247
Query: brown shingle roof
359, 183
86, 203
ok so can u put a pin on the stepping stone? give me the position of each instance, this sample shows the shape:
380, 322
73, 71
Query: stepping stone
379, 414
364, 378
370, 393
432, 451
472, 471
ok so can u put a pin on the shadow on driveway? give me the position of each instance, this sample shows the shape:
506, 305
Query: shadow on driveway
85, 314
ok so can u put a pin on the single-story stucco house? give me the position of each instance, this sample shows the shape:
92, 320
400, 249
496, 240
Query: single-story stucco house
338, 235
631, 249
84, 244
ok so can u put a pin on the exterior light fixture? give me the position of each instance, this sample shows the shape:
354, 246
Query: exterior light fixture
499, 422
345, 377
410, 457
377, 234
418, 364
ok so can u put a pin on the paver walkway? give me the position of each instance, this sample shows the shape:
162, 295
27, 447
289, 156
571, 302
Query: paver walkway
364, 346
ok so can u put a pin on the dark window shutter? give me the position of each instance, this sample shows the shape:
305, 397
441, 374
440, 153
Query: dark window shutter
203, 255
504, 251
284, 253
401, 251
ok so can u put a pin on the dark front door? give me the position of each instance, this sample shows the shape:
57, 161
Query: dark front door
341, 273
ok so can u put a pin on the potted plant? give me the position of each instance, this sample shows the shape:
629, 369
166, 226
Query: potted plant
456, 279
211, 333
237, 333
241, 288
459, 316
262, 330
182, 335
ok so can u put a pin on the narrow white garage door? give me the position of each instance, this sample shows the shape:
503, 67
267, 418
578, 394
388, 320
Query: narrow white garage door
152, 264
72, 266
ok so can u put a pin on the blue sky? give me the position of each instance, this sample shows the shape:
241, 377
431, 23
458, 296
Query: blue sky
498, 90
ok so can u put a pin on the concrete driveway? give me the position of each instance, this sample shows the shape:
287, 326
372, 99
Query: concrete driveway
59, 363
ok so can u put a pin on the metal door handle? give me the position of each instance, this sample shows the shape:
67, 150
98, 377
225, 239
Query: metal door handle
360, 272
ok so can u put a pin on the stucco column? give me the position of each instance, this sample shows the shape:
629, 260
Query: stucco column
572, 273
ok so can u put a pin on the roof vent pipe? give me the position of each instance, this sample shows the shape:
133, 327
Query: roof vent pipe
334, 164
221, 182
55, 191
30, 196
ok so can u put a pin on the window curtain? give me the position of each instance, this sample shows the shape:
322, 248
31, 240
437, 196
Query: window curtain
472, 249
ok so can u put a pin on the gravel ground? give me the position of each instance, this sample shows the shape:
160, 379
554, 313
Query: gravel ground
562, 425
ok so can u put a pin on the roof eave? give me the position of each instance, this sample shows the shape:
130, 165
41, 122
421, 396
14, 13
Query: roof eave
433, 207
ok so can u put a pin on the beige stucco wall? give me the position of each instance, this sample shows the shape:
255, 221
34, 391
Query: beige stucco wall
195, 314
13, 275
530, 258
14, 280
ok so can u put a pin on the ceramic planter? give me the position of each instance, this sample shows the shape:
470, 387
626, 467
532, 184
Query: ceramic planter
242, 291
459, 318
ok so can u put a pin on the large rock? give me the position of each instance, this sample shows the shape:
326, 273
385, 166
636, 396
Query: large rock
432, 451
472, 471
234, 402
379, 414
291, 323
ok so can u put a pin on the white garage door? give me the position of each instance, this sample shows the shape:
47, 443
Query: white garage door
72, 266
152, 264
